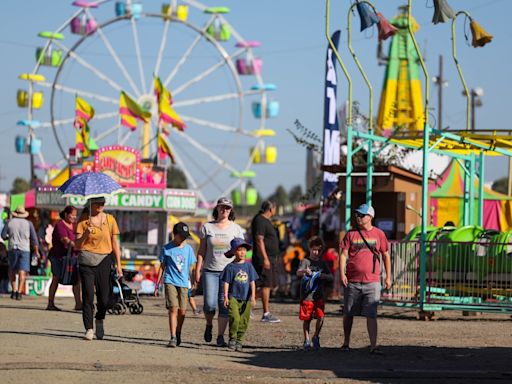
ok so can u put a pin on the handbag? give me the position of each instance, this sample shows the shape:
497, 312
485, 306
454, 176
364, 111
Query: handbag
69, 272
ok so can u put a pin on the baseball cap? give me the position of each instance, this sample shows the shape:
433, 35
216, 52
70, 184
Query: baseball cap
181, 229
235, 244
365, 209
225, 201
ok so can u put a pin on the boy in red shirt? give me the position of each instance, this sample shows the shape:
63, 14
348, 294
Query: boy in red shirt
361, 275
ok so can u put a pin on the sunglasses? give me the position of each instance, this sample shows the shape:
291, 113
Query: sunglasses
360, 215
224, 207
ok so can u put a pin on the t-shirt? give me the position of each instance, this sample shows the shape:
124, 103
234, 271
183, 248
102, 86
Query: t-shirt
100, 239
21, 234
261, 226
239, 277
360, 258
217, 243
311, 287
177, 261
60, 231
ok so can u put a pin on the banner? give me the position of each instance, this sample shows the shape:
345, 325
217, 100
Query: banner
331, 147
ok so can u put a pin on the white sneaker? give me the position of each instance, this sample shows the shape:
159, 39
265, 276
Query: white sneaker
89, 335
100, 331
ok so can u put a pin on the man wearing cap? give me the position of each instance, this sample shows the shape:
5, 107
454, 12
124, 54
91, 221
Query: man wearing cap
361, 274
265, 253
21, 235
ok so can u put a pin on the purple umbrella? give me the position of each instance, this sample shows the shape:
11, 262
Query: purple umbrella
90, 184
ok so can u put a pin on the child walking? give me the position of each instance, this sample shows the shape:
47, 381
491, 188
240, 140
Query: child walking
314, 272
177, 260
239, 286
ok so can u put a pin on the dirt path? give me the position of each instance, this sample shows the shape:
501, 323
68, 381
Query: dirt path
38, 346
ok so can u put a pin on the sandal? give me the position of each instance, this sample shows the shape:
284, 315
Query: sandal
345, 348
53, 307
376, 351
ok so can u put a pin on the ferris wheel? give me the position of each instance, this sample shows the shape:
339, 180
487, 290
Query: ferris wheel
106, 48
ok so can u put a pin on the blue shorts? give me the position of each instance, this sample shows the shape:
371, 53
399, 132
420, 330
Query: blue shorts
213, 293
57, 265
19, 260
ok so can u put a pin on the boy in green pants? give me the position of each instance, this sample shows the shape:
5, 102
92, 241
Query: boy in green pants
239, 285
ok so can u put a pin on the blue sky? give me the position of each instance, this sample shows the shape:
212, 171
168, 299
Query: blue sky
293, 50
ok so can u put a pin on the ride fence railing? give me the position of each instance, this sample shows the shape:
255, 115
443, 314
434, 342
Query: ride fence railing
458, 275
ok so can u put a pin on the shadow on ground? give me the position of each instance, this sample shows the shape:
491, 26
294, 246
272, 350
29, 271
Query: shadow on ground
398, 364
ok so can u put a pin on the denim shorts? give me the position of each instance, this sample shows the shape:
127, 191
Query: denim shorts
57, 265
213, 293
19, 260
361, 299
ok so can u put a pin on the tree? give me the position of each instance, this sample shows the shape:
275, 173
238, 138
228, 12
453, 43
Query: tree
295, 194
176, 178
19, 185
500, 185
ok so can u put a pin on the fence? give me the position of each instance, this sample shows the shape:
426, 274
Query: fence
458, 275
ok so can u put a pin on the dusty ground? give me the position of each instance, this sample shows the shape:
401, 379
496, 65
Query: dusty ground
37, 346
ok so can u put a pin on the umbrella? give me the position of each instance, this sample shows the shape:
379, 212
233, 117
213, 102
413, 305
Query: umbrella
90, 184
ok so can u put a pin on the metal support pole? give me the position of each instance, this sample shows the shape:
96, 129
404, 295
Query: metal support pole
481, 169
472, 175
348, 180
459, 70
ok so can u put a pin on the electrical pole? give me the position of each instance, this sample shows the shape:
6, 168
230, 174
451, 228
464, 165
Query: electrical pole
440, 94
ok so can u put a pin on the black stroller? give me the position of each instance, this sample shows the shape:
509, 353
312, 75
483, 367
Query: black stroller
123, 296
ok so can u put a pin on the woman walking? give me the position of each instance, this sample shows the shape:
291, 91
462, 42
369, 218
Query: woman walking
63, 238
216, 237
96, 239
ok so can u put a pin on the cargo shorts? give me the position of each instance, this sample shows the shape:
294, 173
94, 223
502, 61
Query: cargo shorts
361, 299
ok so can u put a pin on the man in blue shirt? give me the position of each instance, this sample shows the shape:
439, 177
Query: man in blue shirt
177, 261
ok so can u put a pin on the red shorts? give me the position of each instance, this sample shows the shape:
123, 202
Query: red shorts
311, 309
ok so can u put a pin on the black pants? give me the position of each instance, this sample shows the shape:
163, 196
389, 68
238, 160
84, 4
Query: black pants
95, 277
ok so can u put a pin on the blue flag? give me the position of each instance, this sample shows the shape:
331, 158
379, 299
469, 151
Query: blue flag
331, 147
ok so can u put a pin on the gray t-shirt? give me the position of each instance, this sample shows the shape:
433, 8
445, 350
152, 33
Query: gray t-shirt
217, 243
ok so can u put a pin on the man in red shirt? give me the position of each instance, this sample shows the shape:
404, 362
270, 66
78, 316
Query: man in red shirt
361, 274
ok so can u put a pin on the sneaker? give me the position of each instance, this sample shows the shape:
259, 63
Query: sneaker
197, 311
239, 347
269, 318
208, 333
89, 335
232, 344
316, 342
100, 331
13, 294
173, 343
178, 338
251, 315
221, 342
307, 345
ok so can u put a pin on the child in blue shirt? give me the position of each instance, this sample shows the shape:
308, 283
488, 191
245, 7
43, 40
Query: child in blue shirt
239, 286
177, 260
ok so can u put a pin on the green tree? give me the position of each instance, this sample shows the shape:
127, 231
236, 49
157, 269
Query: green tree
501, 185
176, 178
20, 185
295, 194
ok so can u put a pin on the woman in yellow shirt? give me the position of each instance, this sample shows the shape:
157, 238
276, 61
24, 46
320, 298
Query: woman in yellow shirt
96, 238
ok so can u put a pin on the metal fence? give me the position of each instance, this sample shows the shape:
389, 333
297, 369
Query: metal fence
473, 276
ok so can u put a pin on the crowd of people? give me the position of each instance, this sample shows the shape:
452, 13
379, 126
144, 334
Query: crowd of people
230, 280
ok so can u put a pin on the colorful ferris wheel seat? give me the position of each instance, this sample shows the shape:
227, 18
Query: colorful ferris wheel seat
248, 44
20, 144
122, 8
181, 12
267, 155
34, 77
247, 66
272, 109
83, 25
35, 146
251, 197
29, 123
85, 4
216, 10
219, 30
49, 57
264, 87
22, 99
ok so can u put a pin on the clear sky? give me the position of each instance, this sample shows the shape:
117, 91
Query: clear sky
293, 50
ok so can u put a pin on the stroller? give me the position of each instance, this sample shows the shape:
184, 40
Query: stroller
123, 296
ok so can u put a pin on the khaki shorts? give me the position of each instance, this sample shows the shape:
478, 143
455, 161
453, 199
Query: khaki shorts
176, 296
